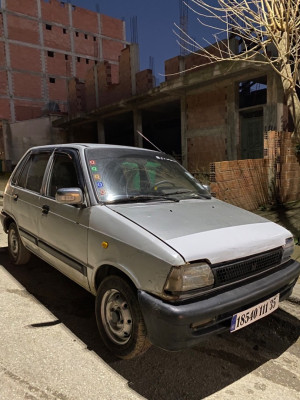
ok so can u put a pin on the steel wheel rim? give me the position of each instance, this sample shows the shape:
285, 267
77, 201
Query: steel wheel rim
116, 317
14, 243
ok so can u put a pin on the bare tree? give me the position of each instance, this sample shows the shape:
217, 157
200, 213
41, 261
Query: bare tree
268, 31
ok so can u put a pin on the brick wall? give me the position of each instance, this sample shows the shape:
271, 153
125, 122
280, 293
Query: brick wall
283, 165
206, 130
253, 183
50, 55
243, 183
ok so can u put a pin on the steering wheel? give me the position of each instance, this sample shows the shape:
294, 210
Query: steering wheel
163, 183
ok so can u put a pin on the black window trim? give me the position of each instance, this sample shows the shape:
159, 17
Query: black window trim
23, 164
74, 153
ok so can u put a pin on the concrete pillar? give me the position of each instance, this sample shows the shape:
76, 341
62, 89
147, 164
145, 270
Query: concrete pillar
72, 39
275, 115
8, 63
101, 131
233, 133
183, 117
134, 65
43, 61
137, 126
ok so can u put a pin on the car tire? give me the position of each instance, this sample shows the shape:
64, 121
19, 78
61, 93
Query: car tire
17, 251
119, 319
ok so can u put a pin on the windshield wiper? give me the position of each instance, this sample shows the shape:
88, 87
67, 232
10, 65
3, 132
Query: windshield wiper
141, 198
192, 194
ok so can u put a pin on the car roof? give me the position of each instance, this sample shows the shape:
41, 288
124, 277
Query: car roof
90, 145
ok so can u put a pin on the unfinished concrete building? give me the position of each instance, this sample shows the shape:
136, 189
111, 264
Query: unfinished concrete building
212, 113
42, 44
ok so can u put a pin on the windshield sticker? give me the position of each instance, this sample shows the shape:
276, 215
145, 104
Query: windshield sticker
100, 184
92, 162
95, 169
165, 159
102, 192
97, 177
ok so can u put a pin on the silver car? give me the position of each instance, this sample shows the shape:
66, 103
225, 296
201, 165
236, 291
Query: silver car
168, 263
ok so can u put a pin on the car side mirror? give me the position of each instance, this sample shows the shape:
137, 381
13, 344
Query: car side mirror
69, 196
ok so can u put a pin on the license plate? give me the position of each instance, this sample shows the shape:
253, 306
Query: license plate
253, 314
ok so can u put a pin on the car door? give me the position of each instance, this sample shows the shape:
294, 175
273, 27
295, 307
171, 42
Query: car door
25, 203
63, 228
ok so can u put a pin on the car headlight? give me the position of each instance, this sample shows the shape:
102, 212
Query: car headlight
288, 249
189, 277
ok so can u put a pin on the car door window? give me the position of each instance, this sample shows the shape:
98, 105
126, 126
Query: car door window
31, 177
64, 174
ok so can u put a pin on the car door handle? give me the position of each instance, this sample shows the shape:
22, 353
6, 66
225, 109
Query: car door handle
15, 197
45, 209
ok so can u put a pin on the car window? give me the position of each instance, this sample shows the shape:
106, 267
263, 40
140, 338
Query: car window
120, 173
63, 175
31, 177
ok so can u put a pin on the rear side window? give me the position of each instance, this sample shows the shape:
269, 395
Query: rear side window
31, 177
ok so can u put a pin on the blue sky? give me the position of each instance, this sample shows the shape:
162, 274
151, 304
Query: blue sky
155, 21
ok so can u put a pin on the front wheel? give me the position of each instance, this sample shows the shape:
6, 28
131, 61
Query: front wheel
17, 251
119, 319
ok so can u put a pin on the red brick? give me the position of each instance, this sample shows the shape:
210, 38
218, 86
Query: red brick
57, 90
4, 109
3, 83
28, 109
28, 7
56, 65
85, 19
112, 27
55, 11
22, 29
20, 56
26, 85
111, 49
56, 39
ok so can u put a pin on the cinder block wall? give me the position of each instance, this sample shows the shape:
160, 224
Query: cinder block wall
253, 183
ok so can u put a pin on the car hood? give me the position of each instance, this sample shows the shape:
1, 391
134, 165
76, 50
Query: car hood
206, 229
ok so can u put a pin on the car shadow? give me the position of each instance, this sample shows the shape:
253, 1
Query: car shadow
193, 373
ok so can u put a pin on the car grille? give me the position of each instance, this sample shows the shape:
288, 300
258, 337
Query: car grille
243, 268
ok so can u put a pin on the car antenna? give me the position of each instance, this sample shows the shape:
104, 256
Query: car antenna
140, 133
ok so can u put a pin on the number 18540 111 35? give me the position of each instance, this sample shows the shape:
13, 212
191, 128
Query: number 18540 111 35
253, 314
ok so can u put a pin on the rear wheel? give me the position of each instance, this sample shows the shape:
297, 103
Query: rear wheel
17, 251
119, 319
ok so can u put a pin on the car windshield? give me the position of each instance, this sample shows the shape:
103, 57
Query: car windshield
128, 175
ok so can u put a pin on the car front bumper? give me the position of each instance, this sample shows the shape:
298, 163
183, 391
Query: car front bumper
174, 326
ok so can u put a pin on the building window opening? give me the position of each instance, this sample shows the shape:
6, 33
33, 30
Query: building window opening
50, 53
66, 57
253, 92
96, 62
78, 59
94, 38
52, 80
64, 31
87, 61
77, 34
49, 27
85, 36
